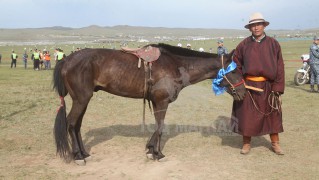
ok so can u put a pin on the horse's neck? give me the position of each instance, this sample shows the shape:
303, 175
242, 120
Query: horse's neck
202, 68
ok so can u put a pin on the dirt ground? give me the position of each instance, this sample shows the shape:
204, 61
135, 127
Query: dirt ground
196, 141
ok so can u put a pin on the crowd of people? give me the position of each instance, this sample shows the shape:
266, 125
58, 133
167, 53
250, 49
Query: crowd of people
41, 59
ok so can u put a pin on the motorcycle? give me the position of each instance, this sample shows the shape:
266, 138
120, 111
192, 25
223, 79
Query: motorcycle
302, 75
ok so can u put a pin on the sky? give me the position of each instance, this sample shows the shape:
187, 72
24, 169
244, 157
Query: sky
219, 14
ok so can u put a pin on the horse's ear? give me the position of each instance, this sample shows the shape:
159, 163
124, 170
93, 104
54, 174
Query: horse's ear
230, 55
232, 52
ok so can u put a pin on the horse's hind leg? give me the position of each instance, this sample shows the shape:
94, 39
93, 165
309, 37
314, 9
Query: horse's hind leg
74, 121
79, 137
154, 144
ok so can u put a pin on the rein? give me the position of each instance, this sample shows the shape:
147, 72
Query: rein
274, 101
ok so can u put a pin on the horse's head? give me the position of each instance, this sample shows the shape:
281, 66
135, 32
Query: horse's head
232, 79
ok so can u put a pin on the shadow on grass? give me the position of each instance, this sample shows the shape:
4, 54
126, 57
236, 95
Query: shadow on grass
17, 112
304, 87
220, 128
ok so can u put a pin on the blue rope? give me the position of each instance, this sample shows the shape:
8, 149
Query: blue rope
220, 76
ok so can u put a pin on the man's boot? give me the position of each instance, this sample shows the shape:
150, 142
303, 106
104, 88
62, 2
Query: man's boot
312, 88
275, 144
246, 145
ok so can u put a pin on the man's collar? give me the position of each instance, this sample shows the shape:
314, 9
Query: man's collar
261, 39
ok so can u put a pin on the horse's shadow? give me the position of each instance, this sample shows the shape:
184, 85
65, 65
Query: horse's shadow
302, 87
219, 128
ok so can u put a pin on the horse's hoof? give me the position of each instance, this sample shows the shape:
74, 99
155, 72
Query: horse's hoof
80, 162
150, 156
89, 158
160, 156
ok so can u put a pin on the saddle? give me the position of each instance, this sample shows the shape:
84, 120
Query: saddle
149, 54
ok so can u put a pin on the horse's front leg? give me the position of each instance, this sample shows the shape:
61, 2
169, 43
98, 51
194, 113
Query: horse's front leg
154, 144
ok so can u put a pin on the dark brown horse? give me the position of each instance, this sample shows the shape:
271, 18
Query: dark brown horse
116, 72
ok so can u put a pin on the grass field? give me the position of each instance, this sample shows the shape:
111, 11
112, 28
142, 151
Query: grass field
112, 131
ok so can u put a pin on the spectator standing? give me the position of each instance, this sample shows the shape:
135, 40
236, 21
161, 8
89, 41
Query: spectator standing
314, 64
0, 58
41, 59
25, 59
36, 59
14, 58
60, 55
47, 59
221, 50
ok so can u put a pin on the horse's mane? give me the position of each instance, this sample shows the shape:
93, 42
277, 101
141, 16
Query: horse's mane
183, 51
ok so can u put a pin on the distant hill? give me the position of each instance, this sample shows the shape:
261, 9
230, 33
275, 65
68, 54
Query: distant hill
59, 34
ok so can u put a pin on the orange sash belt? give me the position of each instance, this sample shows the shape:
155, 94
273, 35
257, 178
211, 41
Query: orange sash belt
256, 78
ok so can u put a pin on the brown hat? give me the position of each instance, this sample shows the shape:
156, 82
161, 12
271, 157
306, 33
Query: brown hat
256, 18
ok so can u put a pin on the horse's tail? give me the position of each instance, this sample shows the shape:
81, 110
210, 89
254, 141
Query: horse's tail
58, 83
61, 126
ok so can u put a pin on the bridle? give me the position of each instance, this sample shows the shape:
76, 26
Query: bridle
232, 86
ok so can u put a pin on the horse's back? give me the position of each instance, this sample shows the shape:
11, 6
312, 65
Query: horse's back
106, 69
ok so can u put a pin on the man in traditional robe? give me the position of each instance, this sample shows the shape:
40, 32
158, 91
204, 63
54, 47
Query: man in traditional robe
259, 59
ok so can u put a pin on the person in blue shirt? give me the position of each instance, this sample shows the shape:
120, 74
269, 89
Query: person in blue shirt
25, 59
314, 64
221, 50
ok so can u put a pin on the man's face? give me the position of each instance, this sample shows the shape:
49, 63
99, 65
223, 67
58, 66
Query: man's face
257, 29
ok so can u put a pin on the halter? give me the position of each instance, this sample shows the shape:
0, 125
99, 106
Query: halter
222, 75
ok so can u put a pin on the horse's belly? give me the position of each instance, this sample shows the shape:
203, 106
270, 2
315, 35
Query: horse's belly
122, 88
